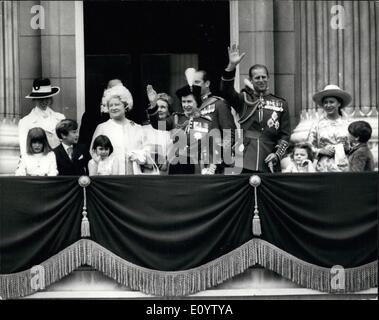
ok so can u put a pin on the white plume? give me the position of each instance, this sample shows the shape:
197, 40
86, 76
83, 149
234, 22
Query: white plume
248, 84
190, 75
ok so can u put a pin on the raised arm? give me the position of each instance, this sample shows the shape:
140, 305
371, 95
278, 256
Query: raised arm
152, 111
227, 90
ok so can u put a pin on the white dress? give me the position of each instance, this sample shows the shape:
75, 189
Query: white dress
47, 120
37, 165
325, 132
106, 167
125, 138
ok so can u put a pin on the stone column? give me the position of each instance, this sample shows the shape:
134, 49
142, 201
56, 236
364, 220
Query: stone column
59, 55
256, 37
9, 87
341, 52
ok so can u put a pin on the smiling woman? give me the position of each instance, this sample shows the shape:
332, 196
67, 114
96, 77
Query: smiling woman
329, 136
127, 137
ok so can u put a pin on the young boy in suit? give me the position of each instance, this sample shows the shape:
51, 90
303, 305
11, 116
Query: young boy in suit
72, 158
360, 156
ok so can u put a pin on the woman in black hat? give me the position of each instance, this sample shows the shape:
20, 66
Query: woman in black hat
186, 128
41, 115
329, 135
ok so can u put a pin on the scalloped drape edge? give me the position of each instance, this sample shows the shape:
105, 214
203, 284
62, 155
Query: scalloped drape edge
185, 282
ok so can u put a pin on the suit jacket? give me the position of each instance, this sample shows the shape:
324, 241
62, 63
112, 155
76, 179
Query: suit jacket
77, 166
361, 158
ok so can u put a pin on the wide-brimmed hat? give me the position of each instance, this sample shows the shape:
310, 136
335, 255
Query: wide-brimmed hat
42, 89
332, 90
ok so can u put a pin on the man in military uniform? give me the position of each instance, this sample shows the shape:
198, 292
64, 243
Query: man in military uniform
218, 110
264, 117
189, 130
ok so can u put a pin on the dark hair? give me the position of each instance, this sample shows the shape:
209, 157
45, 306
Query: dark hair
37, 134
195, 96
305, 146
65, 126
361, 130
338, 99
102, 141
205, 75
258, 66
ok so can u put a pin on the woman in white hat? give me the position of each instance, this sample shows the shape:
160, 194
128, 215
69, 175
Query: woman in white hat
41, 115
127, 137
329, 135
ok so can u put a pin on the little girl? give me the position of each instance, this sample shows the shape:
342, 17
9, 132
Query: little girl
102, 163
39, 159
302, 159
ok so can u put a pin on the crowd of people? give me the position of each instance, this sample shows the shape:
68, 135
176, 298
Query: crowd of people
202, 139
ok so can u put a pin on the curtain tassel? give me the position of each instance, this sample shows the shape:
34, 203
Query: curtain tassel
84, 182
85, 230
257, 230
255, 181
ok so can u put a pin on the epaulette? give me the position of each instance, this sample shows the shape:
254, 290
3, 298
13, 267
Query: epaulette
207, 117
280, 98
218, 98
210, 108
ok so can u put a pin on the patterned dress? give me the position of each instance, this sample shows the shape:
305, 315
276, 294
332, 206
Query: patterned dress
325, 132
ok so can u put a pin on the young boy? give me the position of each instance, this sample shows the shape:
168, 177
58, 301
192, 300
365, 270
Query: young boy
360, 156
72, 158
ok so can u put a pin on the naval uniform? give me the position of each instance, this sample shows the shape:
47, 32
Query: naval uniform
217, 110
193, 131
264, 120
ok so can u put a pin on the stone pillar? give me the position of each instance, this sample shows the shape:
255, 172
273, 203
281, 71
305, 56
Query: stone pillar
58, 53
256, 36
9, 87
285, 62
342, 52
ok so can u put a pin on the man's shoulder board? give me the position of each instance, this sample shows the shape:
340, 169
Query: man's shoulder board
277, 97
218, 98
208, 109
208, 117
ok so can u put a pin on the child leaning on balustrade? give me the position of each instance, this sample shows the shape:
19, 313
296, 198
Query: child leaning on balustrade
301, 159
39, 160
102, 162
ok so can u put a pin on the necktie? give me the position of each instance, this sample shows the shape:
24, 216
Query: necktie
69, 151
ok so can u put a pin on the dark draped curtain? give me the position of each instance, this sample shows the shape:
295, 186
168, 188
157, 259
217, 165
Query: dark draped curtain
181, 222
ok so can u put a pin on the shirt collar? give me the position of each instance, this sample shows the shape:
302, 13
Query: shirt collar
65, 146
360, 145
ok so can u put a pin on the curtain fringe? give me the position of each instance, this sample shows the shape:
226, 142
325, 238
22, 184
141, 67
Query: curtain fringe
312, 276
181, 283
